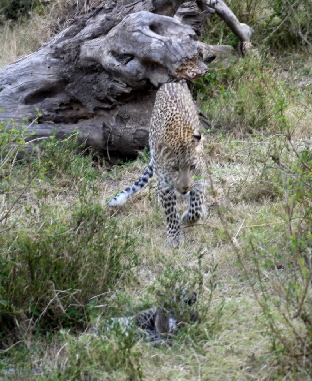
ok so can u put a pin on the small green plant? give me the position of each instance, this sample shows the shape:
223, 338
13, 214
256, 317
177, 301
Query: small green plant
13, 142
114, 355
57, 160
175, 289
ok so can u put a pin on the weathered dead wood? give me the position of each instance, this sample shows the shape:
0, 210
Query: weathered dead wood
100, 74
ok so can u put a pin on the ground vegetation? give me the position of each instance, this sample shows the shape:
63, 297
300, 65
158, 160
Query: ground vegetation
67, 261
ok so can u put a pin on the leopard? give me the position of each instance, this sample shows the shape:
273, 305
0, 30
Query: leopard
163, 322
176, 158
155, 324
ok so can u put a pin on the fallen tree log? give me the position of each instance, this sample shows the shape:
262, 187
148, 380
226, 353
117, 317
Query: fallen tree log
100, 74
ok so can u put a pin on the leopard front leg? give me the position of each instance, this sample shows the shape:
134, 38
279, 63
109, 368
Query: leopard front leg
196, 208
169, 203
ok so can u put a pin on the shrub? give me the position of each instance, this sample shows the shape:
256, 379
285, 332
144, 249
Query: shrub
114, 355
50, 274
13, 143
276, 258
243, 99
53, 264
16, 9
65, 158
277, 24
289, 23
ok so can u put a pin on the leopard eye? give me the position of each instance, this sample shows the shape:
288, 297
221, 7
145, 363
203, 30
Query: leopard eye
192, 167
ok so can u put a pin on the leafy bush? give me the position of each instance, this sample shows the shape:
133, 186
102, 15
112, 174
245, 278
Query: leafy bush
62, 265
277, 24
66, 158
289, 24
13, 143
51, 269
173, 289
15, 9
243, 99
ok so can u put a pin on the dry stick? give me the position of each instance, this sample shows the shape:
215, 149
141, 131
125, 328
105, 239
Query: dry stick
13, 345
304, 38
289, 205
277, 28
198, 224
259, 225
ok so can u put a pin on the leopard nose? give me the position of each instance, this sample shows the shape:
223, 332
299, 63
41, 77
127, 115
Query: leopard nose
184, 189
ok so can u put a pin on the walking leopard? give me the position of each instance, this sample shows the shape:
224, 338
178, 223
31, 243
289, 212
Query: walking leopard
177, 159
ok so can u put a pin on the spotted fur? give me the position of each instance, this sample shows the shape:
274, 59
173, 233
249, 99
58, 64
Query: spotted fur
164, 321
156, 323
176, 151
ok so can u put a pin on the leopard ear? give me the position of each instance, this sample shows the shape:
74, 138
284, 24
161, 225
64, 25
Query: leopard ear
196, 138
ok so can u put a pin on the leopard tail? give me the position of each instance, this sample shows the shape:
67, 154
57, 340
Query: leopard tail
122, 197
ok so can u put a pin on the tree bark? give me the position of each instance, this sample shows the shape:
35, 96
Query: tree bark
99, 75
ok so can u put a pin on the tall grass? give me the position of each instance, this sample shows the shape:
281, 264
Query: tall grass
25, 25
248, 97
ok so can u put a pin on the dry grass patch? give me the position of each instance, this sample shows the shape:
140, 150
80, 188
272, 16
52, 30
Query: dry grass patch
20, 40
37, 26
